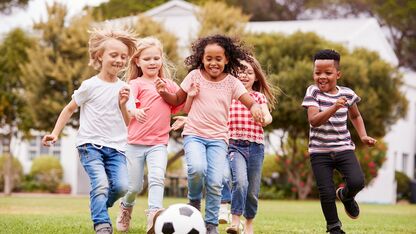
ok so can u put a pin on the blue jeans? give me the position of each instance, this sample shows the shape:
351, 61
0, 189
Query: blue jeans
246, 160
205, 159
156, 158
226, 184
107, 170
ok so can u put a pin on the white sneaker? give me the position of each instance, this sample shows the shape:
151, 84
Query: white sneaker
224, 214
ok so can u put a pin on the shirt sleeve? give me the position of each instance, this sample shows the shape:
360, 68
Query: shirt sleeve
80, 95
134, 95
310, 98
355, 99
239, 88
186, 83
261, 98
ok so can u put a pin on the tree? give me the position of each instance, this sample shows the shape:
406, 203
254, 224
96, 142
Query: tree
57, 66
6, 6
288, 60
13, 109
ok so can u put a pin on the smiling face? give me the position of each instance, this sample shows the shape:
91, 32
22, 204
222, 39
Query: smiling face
150, 62
114, 57
325, 75
247, 77
214, 60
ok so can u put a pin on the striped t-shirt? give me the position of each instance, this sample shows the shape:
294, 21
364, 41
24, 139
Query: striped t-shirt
332, 136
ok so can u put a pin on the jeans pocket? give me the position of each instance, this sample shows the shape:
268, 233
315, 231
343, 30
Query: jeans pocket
88, 152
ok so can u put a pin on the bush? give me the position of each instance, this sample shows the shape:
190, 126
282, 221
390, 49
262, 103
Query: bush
403, 185
47, 173
17, 172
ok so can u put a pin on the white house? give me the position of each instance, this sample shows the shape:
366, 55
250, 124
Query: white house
179, 18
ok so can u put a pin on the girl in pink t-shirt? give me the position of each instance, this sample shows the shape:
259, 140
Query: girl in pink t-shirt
212, 64
148, 130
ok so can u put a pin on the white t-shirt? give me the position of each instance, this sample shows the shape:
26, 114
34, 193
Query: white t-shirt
101, 120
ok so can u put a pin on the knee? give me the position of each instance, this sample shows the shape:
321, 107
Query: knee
158, 179
196, 171
121, 188
240, 183
327, 194
100, 189
214, 188
356, 184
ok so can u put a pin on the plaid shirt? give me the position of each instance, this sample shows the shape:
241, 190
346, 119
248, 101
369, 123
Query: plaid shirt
241, 124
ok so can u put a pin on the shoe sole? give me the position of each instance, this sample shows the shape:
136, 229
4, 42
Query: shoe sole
152, 229
348, 214
222, 221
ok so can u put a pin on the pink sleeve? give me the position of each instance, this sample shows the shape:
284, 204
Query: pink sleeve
135, 89
261, 99
239, 89
186, 83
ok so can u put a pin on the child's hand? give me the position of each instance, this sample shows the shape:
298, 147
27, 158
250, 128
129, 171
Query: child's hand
341, 102
179, 122
49, 140
368, 140
123, 95
257, 113
160, 85
140, 114
194, 90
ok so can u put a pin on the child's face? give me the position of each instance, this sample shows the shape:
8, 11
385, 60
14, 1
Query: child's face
114, 57
325, 75
150, 61
247, 77
214, 60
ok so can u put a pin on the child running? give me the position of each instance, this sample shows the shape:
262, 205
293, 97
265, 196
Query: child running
213, 62
148, 131
330, 144
101, 139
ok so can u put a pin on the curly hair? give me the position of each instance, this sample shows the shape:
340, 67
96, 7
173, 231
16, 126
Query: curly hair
235, 51
328, 54
98, 37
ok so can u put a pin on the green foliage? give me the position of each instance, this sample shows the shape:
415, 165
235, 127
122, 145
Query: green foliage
46, 172
7, 6
121, 8
17, 174
403, 185
57, 65
218, 18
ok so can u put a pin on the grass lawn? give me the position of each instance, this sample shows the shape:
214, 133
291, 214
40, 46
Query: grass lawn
56, 214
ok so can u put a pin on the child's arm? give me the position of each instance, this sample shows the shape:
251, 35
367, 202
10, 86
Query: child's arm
173, 99
317, 118
358, 123
63, 118
254, 108
190, 98
122, 100
266, 113
179, 122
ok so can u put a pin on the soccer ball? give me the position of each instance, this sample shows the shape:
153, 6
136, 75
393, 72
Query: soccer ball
180, 219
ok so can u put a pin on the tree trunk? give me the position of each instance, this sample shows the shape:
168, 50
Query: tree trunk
8, 167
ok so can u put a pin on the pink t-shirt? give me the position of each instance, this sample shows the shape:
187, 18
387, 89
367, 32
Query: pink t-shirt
157, 126
209, 111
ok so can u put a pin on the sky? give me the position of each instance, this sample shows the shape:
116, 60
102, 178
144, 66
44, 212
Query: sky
36, 10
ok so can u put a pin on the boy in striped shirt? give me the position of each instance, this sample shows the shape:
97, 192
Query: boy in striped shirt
330, 144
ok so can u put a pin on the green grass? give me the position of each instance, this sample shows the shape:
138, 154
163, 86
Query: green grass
63, 214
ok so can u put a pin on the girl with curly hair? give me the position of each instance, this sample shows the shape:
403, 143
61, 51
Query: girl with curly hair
213, 65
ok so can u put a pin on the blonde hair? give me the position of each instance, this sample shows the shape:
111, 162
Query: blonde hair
134, 71
262, 85
98, 37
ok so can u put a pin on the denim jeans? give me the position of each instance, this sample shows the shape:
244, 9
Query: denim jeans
205, 159
323, 165
246, 160
107, 170
156, 158
226, 183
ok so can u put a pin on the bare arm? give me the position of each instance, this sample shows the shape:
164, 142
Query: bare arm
124, 94
254, 108
63, 118
194, 90
266, 113
317, 118
358, 123
173, 99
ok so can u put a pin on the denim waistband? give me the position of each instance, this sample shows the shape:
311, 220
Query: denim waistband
240, 142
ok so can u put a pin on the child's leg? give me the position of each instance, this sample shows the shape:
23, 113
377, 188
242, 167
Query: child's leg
237, 156
224, 214
92, 160
350, 168
195, 156
254, 167
135, 155
157, 158
216, 156
323, 168
116, 169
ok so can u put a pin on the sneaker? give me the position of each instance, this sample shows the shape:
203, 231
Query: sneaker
351, 206
224, 214
123, 218
336, 230
151, 220
103, 228
236, 229
195, 203
212, 229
